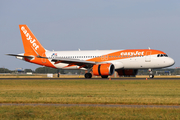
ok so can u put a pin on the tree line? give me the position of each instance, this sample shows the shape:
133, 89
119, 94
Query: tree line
44, 70
63, 71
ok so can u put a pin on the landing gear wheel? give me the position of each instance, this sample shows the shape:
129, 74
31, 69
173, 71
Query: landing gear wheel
151, 76
151, 73
88, 75
106, 76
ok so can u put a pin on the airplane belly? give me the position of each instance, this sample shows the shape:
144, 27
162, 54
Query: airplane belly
64, 66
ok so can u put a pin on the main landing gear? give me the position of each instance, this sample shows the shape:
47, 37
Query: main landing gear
151, 75
88, 75
58, 73
105, 76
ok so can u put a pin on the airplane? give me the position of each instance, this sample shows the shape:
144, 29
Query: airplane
102, 63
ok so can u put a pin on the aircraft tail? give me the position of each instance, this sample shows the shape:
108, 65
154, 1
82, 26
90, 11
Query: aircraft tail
31, 45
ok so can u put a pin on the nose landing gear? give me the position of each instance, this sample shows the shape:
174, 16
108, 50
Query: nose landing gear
151, 75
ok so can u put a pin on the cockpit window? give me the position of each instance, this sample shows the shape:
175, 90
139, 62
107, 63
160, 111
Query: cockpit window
162, 55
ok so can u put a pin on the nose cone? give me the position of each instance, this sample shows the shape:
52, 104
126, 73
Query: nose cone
170, 62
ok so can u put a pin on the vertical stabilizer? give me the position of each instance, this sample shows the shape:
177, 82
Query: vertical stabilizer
31, 45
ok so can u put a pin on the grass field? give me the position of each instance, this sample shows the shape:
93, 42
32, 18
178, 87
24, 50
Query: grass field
88, 113
142, 92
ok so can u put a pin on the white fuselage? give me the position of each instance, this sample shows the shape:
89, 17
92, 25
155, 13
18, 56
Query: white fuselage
136, 62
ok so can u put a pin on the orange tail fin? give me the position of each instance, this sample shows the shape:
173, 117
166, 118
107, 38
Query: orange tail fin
31, 45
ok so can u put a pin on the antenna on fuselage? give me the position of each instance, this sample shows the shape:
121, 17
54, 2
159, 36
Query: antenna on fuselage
79, 49
149, 48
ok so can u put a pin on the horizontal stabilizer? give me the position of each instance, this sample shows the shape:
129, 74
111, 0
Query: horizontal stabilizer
29, 57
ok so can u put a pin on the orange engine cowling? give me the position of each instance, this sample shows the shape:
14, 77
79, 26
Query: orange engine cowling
103, 69
127, 72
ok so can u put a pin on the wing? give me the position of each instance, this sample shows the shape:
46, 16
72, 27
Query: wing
71, 62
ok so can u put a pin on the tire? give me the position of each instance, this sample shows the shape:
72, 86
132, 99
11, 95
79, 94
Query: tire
88, 75
151, 76
104, 76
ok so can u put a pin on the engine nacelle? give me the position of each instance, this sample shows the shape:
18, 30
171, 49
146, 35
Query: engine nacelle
127, 72
103, 69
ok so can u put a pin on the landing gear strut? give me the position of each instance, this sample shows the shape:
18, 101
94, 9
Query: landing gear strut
58, 73
88, 74
151, 75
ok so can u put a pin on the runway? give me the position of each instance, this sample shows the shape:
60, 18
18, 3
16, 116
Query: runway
123, 78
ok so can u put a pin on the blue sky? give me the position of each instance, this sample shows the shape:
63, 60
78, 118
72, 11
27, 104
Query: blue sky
90, 25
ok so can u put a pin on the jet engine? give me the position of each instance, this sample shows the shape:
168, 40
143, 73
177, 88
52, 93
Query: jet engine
103, 69
127, 72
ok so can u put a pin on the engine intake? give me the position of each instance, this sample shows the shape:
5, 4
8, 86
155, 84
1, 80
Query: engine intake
103, 69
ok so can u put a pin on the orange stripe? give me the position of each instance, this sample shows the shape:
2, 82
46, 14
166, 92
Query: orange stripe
57, 62
81, 66
40, 61
69, 66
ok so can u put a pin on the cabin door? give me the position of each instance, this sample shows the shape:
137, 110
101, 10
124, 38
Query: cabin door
148, 56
